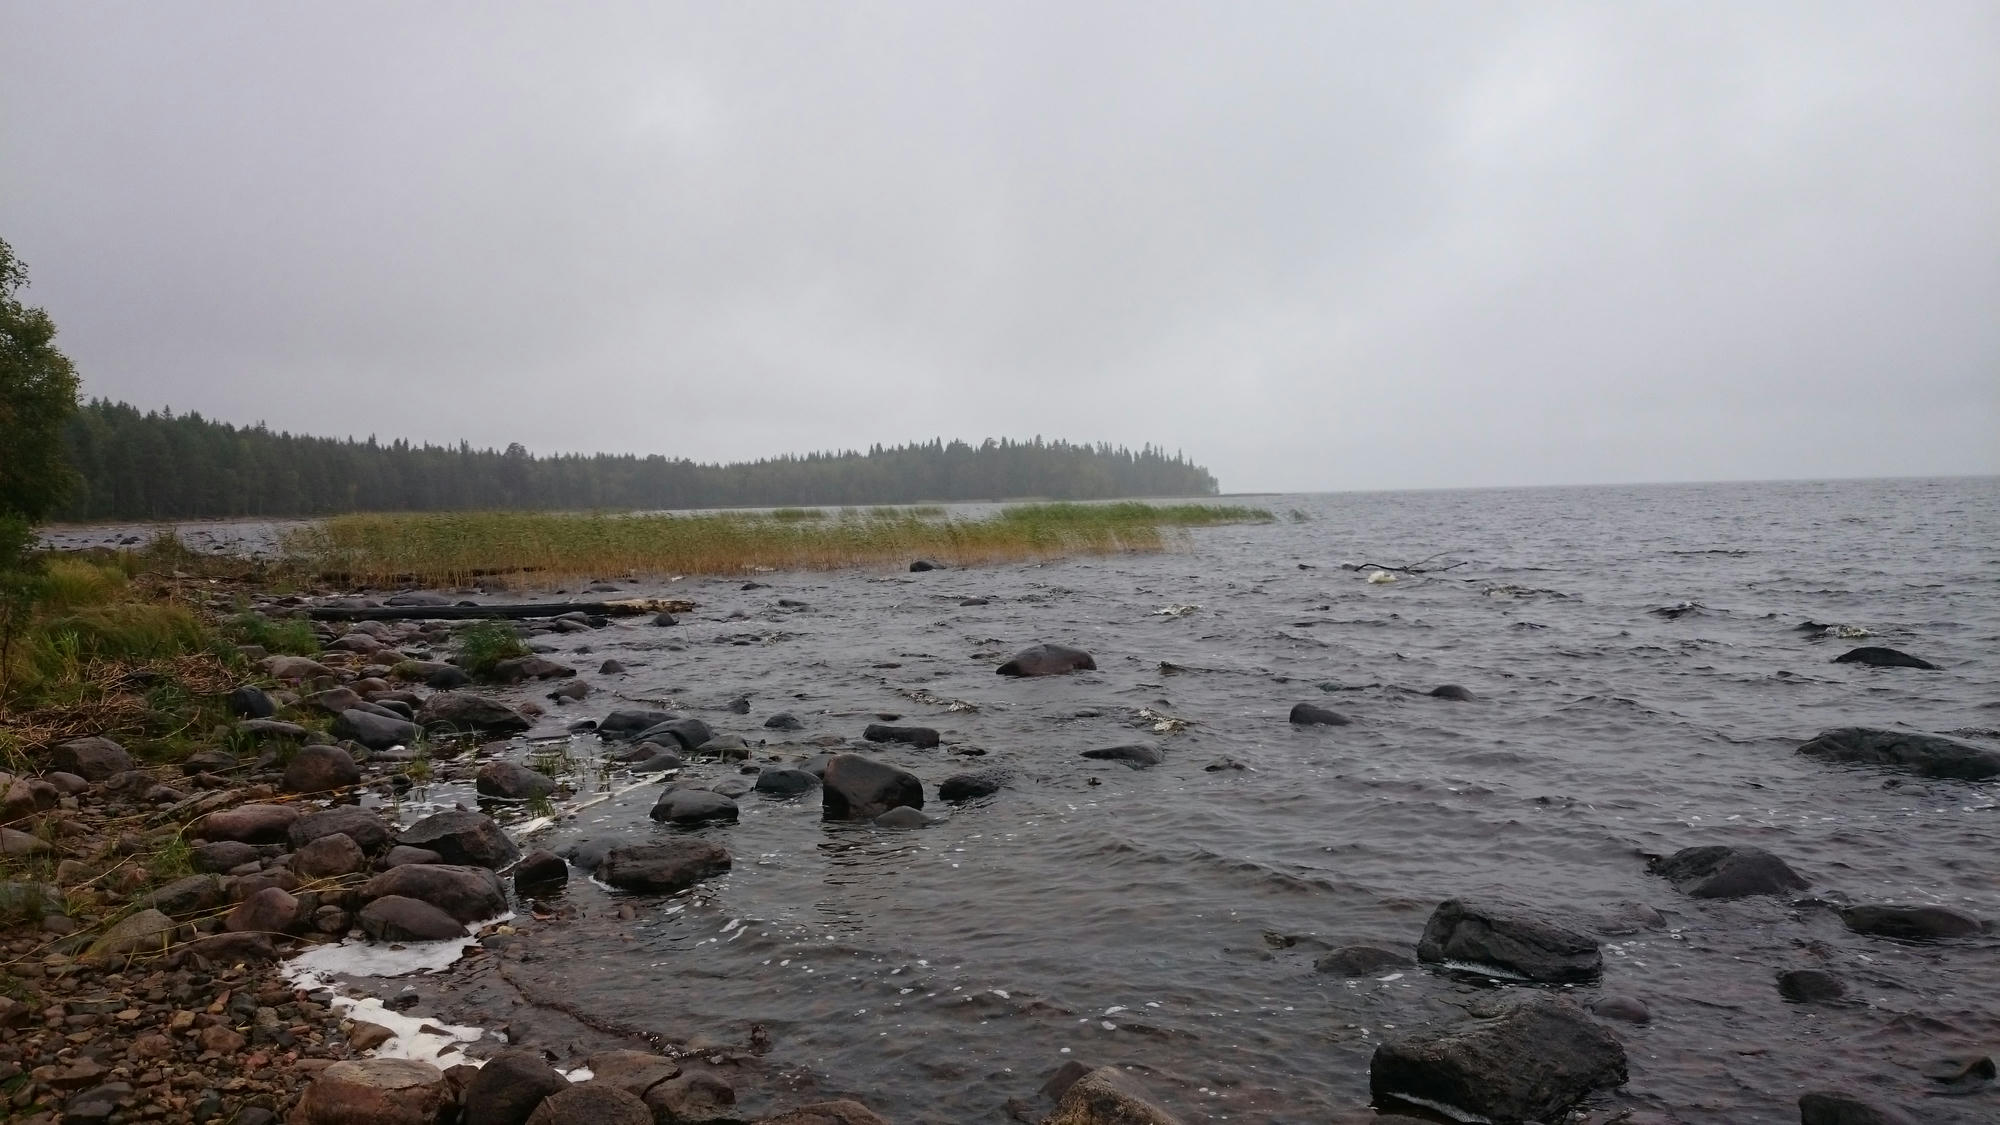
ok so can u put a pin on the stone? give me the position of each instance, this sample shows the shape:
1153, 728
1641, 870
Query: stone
329, 857
96, 1103
961, 787
374, 1092
1835, 1108
1047, 660
634, 1072
627, 724
334, 700
1625, 1009
512, 781
1452, 692
14, 842
464, 837
189, 895
540, 872
924, 737
93, 759
784, 720
1525, 1057
1136, 755
147, 931
251, 702
400, 918
858, 788
610, 668
1309, 715
1926, 755
1875, 656
1910, 923
316, 769
690, 807
1810, 986
465, 711
293, 668
268, 911
921, 566
591, 1104
246, 948
223, 855
363, 826
692, 1098
1727, 871
1508, 940
903, 816
208, 761
663, 868
365, 1036
1110, 1096
376, 732
509, 1087
403, 854
250, 824
842, 1112
659, 761
432, 674
785, 782
518, 669
691, 734
468, 894
1351, 961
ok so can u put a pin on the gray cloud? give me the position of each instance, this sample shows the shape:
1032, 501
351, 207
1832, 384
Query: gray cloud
1316, 246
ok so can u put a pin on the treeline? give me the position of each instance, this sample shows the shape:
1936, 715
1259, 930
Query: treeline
161, 465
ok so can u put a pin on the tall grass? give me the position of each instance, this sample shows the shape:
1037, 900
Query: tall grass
291, 635
454, 548
483, 645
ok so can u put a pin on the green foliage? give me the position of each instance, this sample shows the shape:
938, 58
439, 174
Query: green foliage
291, 635
37, 397
484, 644
72, 583
795, 514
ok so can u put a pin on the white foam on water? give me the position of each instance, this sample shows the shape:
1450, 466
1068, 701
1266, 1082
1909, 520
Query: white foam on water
1451, 1111
412, 1036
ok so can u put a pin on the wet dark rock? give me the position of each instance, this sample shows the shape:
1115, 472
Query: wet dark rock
1625, 1009
628, 724
329, 857
401, 918
1962, 1074
376, 732
1525, 1057
968, 603
402, 854
610, 668
1362, 961
1835, 1108
465, 711
518, 669
223, 855
464, 837
693, 1099
1810, 986
265, 730
512, 781
634, 1072
728, 747
659, 761
1727, 871
691, 734
842, 1112
1048, 660
1452, 692
1875, 656
663, 868
1223, 765
416, 598
1510, 940
571, 692
435, 674
1136, 755
1309, 715
316, 769
665, 619
971, 786
784, 720
93, 759
194, 894
922, 565
363, 826
585, 855
1910, 923
250, 702
784, 782
592, 1103
509, 1087
903, 816
468, 894
1110, 1096
858, 788
913, 736
689, 807
1927, 755
250, 824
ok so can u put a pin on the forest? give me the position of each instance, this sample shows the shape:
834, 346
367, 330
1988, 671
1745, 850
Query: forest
133, 464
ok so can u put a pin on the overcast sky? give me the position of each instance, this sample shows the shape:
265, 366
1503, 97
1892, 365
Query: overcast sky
1315, 245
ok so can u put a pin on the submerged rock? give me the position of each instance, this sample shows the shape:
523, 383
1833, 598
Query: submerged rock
1048, 660
663, 868
903, 816
1110, 1096
1727, 871
540, 873
1309, 715
691, 734
858, 788
516, 669
1361, 961
626, 724
1835, 1108
784, 720
971, 786
1810, 986
1452, 692
915, 736
512, 781
1510, 940
1910, 923
399, 918
509, 1087
1927, 755
785, 782
689, 807
1875, 656
1136, 755
376, 732
1528, 1058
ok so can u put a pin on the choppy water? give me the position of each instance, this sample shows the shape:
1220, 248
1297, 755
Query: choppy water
939, 973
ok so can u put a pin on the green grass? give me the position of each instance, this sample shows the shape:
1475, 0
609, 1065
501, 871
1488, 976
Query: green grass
483, 645
293, 636
796, 514
551, 547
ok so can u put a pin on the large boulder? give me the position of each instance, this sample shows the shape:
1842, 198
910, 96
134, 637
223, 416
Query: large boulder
1508, 940
1310, 715
316, 769
1910, 923
509, 1087
1927, 755
398, 918
512, 781
663, 868
91, 758
1110, 1096
1048, 660
462, 710
1875, 656
462, 836
591, 1104
374, 1092
1526, 1057
785, 782
1723, 871
858, 788
468, 894
690, 807
250, 824
363, 826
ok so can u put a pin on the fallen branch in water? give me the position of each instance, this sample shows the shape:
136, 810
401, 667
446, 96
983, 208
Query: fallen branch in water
1417, 567
625, 607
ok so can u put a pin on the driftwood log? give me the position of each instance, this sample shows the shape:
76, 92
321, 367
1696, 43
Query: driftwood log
624, 607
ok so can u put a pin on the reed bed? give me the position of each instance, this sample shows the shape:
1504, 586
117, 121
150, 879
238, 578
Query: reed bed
541, 548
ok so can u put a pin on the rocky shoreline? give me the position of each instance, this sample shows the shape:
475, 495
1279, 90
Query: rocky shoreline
147, 998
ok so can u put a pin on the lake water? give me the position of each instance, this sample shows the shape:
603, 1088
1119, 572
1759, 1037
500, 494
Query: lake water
1169, 918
